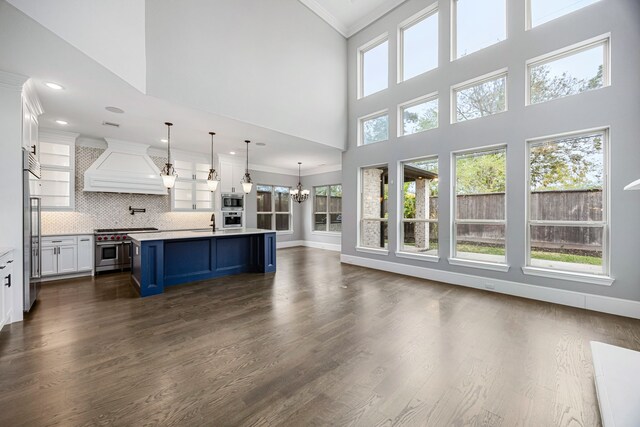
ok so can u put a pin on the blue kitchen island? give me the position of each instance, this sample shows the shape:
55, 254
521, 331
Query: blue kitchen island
173, 258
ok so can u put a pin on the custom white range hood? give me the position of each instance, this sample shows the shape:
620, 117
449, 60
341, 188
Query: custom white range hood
124, 167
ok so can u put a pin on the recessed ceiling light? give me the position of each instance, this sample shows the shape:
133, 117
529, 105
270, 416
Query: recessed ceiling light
61, 122
54, 86
232, 153
165, 140
260, 144
114, 110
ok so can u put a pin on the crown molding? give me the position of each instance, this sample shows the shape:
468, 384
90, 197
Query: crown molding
348, 31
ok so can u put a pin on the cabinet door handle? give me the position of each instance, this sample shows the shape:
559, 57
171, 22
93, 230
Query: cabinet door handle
56, 241
7, 281
10, 261
2, 267
84, 240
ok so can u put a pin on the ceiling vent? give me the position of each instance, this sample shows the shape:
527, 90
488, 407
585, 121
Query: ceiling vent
124, 167
115, 125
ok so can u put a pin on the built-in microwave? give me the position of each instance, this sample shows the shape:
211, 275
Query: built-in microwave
232, 219
232, 202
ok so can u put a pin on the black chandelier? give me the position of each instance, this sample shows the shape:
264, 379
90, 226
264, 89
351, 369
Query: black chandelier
298, 194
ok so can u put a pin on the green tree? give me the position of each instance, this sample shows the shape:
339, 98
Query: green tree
483, 173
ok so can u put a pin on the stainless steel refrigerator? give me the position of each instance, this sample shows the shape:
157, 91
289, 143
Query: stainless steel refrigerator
31, 229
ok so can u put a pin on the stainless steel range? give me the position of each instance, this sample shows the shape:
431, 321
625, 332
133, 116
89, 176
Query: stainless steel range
113, 248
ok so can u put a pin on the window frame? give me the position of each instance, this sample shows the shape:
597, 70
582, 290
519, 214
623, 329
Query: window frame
362, 50
433, 96
361, 120
494, 75
408, 23
565, 52
400, 212
328, 212
454, 221
273, 211
603, 279
359, 246
529, 15
454, 31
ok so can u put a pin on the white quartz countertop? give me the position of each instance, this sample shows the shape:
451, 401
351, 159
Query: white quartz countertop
194, 234
4, 251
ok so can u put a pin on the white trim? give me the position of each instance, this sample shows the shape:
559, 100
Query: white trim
377, 41
419, 257
375, 251
54, 277
12, 81
372, 116
454, 31
592, 279
358, 25
433, 96
310, 244
327, 233
476, 81
529, 15
485, 265
566, 52
618, 306
408, 23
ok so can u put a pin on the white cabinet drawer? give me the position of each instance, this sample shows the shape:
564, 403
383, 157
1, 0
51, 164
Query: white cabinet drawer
59, 241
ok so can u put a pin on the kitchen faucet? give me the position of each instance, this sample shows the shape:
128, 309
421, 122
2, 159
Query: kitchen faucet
213, 222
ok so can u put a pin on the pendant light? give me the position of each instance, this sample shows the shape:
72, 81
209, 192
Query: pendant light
298, 194
212, 179
246, 182
168, 173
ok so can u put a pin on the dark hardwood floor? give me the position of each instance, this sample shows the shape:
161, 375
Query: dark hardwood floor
318, 343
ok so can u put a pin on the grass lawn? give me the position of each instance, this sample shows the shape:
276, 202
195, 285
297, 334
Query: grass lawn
548, 256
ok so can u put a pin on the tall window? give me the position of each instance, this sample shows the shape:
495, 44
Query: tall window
419, 44
477, 24
274, 207
569, 71
567, 215
373, 128
480, 97
479, 203
374, 190
419, 228
419, 115
327, 208
373, 62
541, 11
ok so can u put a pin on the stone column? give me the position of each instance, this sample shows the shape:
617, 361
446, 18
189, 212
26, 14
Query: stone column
371, 194
421, 229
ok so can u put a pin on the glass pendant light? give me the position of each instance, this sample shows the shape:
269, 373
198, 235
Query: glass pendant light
298, 194
212, 179
246, 182
168, 173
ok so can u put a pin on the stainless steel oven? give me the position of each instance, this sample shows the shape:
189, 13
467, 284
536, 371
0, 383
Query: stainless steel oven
113, 248
232, 202
232, 219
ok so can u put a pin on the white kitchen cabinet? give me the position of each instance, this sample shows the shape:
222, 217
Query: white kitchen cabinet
49, 260
191, 192
62, 255
31, 109
85, 253
6, 282
231, 173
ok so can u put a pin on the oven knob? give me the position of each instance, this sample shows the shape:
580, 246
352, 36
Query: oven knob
99, 238
124, 237
112, 237
117, 237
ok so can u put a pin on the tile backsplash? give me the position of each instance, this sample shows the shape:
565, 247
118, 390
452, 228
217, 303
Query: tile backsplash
111, 210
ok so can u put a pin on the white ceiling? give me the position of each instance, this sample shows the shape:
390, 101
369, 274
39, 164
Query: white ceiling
29, 49
350, 16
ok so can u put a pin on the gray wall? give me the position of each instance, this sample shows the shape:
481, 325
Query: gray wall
309, 182
272, 63
616, 106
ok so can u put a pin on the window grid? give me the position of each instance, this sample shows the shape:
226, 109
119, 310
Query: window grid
383, 38
273, 213
429, 12
370, 117
455, 220
413, 103
478, 81
328, 212
603, 224
454, 31
373, 191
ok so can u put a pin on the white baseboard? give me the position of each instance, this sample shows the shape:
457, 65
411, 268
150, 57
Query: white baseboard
621, 307
66, 276
309, 244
